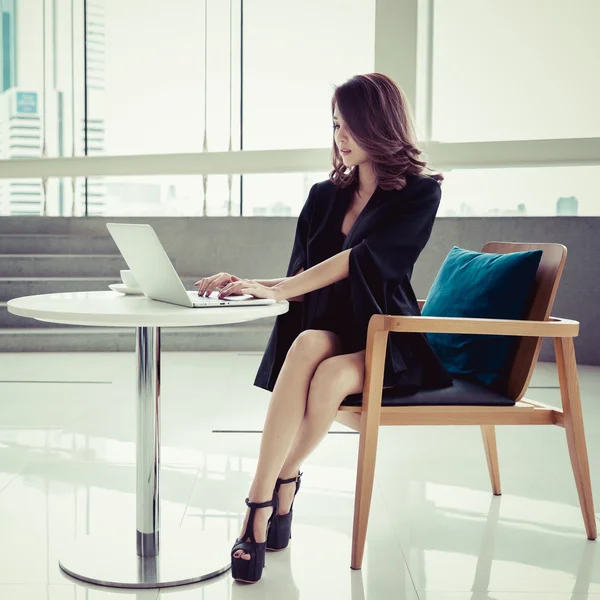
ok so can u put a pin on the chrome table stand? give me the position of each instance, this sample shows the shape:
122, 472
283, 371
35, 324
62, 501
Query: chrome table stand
153, 562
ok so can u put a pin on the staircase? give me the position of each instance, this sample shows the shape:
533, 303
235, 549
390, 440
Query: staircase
68, 260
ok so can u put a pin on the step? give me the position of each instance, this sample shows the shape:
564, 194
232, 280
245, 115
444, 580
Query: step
32, 224
15, 287
96, 225
61, 265
245, 337
28, 243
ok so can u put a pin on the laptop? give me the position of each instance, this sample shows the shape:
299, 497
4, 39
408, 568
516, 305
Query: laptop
146, 258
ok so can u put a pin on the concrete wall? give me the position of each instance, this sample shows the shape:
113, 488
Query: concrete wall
259, 247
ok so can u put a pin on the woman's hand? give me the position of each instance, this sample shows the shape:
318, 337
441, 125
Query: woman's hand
234, 288
254, 289
208, 285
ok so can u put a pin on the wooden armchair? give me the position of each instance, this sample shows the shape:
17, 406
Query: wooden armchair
367, 418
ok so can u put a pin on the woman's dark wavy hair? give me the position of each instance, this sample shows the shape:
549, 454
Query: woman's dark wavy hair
379, 119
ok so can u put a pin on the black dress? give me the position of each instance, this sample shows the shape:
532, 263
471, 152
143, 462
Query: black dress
335, 309
385, 242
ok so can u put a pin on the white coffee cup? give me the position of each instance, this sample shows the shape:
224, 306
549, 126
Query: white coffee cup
129, 279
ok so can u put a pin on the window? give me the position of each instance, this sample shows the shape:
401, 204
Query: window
278, 195
287, 94
21, 196
294, 55
169, 196
533, 192
153, 100
497, 84
515, 70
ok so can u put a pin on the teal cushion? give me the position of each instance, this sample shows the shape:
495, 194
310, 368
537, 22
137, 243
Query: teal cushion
487, 286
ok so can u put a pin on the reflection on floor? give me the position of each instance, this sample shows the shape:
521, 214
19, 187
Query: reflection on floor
67, 454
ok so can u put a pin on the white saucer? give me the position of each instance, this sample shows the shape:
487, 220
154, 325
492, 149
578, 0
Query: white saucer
123, 289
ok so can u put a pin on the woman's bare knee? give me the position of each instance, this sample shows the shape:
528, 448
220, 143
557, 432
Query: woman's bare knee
314, 346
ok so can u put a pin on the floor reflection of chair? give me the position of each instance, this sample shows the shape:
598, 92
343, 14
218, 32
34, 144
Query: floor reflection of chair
485, 558
357, 586
482, 409
490, 547
483, 570
583, 579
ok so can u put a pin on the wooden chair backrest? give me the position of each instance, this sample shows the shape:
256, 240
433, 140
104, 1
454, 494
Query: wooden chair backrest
546, 285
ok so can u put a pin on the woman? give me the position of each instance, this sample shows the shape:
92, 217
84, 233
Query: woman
357, 240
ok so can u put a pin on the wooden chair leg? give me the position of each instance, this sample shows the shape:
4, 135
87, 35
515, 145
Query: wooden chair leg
367, 453
491, 453
573, 423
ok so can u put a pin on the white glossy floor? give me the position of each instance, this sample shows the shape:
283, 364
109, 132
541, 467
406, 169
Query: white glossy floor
436, 532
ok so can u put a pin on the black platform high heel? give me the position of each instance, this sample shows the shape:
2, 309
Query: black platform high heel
250, 571
280, 531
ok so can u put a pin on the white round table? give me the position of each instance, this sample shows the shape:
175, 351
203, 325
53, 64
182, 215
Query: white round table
116, 562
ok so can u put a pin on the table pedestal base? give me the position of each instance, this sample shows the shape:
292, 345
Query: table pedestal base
183, 558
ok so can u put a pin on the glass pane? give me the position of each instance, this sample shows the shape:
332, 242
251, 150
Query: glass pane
278, 195
170, 196
154, 99
22, 100
41, 98
26, 197
532, 192
20, 197
515, 70
294, 53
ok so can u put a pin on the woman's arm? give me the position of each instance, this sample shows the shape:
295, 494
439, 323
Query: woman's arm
273, 282
236, 286
277, 282
326, 273
269, 282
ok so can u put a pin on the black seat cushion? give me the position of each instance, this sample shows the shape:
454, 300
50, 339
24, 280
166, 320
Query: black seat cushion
460, 393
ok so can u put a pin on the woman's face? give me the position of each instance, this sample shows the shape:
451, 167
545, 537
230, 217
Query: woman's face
352, 154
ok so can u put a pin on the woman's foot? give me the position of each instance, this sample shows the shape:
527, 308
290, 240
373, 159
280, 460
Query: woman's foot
248, 553
261, 521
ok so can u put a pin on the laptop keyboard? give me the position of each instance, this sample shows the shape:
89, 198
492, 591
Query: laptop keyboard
202, 299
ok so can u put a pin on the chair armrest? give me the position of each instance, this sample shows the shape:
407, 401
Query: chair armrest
553, 327
381, 325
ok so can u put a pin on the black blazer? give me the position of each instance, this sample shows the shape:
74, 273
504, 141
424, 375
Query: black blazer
386, 240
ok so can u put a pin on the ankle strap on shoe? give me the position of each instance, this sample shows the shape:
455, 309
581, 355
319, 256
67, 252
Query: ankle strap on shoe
290, 480
259, 504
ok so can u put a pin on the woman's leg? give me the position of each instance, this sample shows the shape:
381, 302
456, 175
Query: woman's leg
334, 379
284, 416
